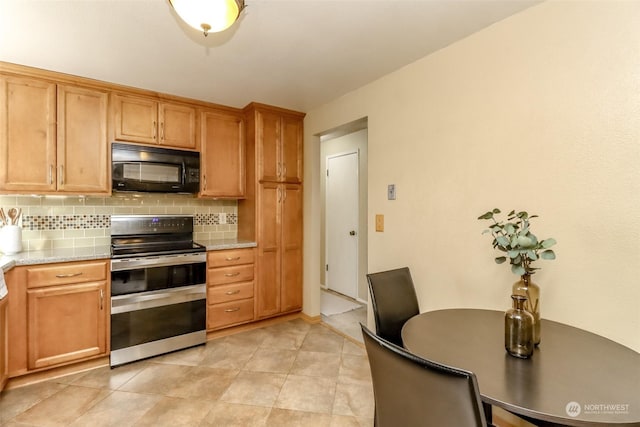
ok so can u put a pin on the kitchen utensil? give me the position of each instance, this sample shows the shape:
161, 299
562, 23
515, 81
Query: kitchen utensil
3, 218
13, 213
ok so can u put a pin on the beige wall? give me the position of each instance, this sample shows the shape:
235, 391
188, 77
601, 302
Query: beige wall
539, 112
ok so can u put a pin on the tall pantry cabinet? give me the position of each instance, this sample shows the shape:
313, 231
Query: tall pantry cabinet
272, 209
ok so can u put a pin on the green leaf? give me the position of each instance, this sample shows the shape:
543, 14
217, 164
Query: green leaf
511, 213
509, 228
500, 259
523, 215
496, 211
547, 243
525, 241
512, 254
532, 255
517, 269
487, 215
548, 254
503, 241
486, 231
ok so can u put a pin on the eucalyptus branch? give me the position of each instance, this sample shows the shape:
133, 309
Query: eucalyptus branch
515, 239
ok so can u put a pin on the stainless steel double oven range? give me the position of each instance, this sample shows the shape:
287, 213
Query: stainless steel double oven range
158, 286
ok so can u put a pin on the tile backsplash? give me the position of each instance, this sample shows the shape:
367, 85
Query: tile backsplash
50, 222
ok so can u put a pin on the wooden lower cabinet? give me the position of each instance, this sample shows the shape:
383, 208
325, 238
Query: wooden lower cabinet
66, 323
230, 287
279, 287
4, 341
59, 314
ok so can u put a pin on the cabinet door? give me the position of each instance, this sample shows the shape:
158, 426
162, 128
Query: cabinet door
268, 130
222, 155
136, 119
82, 140
177, 125
269, 252
66, 323
292, 149
4, 342
27, 134
291, 298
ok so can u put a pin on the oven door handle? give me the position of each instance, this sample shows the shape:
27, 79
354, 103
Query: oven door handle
157, 261
141, 301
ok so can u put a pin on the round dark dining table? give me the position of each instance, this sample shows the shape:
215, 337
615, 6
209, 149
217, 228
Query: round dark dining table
574, 378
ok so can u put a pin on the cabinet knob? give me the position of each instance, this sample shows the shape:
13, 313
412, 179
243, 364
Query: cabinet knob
231, 310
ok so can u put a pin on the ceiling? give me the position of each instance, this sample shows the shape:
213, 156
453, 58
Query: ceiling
296, 54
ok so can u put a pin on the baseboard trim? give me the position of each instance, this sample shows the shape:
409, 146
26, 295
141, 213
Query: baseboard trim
49, 374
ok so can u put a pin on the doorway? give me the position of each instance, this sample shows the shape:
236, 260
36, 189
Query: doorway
343, 257
341, 223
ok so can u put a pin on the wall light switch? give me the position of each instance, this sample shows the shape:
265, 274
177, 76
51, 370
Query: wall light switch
223, 217
391, 192
379, 222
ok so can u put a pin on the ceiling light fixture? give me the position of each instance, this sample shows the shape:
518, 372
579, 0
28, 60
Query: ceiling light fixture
209, 16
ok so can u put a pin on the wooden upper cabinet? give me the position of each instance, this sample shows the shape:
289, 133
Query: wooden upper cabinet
177, 125
279, 145
291, 149
222, 148
27, 134
146, 120
82, 150
136, 119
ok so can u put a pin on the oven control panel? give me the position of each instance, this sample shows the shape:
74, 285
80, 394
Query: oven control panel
126, 225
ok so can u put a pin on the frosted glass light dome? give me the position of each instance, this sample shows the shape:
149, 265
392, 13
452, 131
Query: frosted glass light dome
208, 16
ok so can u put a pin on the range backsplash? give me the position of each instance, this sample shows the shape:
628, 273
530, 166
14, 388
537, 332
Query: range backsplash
50, 222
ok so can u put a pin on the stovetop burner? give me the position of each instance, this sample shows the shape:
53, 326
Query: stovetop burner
152, 235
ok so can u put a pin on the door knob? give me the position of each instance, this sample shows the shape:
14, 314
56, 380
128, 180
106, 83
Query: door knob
352, 233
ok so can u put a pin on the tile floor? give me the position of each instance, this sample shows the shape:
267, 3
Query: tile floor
349, 322
289, 374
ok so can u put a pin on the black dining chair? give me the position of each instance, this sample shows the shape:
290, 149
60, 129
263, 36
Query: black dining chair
411, 391
394, 301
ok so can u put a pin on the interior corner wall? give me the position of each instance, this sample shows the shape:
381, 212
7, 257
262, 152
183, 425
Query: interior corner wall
352, 142
538, 112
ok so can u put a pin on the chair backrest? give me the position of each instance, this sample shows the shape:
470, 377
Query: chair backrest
411, 391
393, 300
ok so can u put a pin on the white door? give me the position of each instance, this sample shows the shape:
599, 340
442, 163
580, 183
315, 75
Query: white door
342, 223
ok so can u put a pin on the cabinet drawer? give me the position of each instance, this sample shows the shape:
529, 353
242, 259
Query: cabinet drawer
229, 313
226, 293
235, 274
229, 257
62, 274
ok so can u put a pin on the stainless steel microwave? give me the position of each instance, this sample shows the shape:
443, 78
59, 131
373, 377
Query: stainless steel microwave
154, 169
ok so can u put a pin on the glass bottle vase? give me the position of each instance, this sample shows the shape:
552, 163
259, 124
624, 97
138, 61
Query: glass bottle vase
518, 329
527, 288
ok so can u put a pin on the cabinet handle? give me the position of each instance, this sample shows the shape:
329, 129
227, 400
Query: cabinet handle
279, 169
279, 195
50, 174
284, 171
162, 131
231, 310
63, 276
232, 292
232, 259
101, 299
204, 184
231, 274
154, 129
61, 175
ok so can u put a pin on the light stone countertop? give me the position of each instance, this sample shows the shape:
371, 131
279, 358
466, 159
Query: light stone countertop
48, 256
